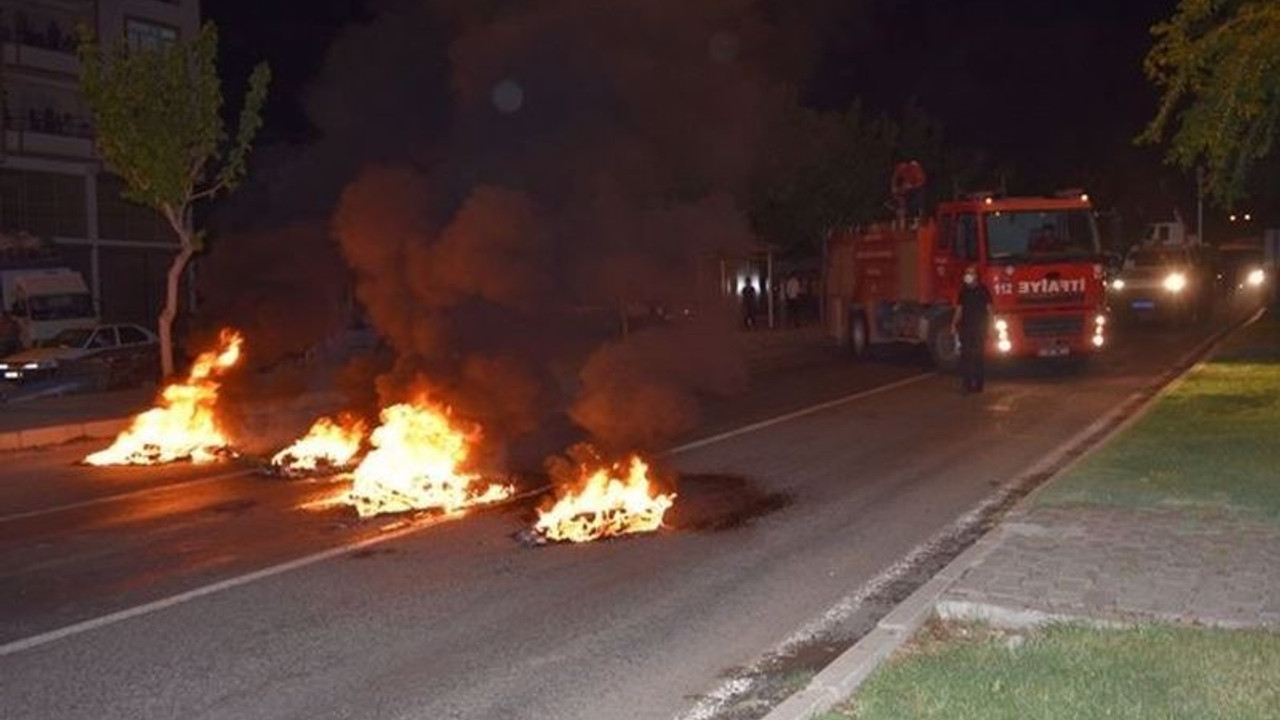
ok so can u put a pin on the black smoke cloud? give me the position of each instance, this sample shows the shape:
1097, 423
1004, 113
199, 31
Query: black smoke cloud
514, 181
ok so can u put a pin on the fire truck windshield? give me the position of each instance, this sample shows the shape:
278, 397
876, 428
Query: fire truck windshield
1040, 235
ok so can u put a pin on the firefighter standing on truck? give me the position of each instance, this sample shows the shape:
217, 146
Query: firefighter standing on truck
973, 314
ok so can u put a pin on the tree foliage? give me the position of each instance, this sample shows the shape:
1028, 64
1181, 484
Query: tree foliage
158, 120
1216, 64
832, 169
825, 170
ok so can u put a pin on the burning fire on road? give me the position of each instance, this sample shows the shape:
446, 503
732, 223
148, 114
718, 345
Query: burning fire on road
417, 463
183, 425
604, 500
331, 445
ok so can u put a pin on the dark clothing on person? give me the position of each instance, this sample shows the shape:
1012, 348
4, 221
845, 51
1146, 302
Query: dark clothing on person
975, 316
749, 306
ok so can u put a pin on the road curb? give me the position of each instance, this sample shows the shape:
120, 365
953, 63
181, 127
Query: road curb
842, 678
31, 438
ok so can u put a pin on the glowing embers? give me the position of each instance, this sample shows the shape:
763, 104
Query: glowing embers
604, 500
330, 445
183, 425
417, 463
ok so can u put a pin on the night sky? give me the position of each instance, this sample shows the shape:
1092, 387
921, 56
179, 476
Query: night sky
1051, 90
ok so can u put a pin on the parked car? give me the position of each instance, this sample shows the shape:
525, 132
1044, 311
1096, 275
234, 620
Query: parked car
112, 355
1172, 283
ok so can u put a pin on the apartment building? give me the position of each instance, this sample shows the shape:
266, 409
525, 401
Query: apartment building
52, 183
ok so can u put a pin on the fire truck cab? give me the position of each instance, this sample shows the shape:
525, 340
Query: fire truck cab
1038, 256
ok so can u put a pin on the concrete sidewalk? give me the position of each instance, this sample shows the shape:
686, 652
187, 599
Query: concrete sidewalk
55, 420
73, 409
1123, 565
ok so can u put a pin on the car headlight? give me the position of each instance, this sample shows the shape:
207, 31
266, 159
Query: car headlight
1256, 277
1117, 284
31, 366
1175, 282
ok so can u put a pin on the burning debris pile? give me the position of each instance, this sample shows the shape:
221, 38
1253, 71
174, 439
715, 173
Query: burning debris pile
184, 424
417, 463
538, 234
601, 500
331, 445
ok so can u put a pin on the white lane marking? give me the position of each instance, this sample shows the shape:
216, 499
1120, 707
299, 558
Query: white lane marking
35, 641
788, 417
122, 496
398, 530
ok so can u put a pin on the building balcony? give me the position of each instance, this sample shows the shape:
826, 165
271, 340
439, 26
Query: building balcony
17, 55
48, 144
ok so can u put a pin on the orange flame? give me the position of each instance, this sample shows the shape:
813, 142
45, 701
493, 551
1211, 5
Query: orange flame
329, 445
610, 500
183, 425
415, 465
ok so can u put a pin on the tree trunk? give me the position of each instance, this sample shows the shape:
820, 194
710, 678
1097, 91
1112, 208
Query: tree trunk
180, 220
170, 311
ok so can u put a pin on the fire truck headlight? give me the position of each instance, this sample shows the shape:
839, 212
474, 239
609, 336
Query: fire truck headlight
1256, 277
1175, 282
1002, 325
1117, 284
1099, 340
1003, 345
1100, 321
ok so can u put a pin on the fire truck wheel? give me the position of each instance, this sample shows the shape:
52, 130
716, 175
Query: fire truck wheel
859, 338
944, 348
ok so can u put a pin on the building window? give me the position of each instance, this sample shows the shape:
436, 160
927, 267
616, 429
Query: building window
43, 204
120, 219
144, 35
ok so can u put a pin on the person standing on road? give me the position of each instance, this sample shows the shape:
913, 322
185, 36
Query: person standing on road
749, 305
973, 315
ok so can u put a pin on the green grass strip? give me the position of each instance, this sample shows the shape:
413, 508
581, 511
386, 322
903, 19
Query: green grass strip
1071, 672
1211, 443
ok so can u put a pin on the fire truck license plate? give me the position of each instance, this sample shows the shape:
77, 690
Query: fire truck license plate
1055, 351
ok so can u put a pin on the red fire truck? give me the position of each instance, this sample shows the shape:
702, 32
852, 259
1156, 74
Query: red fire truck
1039, 257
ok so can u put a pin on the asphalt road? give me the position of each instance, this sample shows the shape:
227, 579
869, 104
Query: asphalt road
457, 618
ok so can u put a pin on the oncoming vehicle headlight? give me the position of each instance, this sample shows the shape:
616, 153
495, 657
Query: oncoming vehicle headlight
1256, 277
1175, 282
1117, 284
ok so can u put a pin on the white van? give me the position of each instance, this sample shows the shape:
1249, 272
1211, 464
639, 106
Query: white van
44, 302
